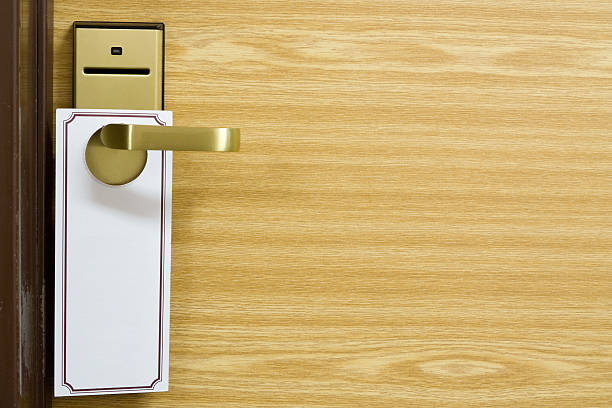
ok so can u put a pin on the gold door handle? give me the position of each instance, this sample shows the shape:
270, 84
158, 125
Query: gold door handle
117, 153
143, 137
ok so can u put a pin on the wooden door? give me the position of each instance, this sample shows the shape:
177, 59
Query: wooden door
421, 213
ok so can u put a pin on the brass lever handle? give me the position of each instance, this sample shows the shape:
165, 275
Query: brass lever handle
117, 153
143, 137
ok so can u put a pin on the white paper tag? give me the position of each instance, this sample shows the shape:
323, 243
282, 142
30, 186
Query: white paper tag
112, 264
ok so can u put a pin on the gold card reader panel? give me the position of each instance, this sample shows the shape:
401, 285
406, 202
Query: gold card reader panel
118, 65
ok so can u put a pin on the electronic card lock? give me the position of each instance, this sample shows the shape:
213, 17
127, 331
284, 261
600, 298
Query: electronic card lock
121, 66
113, 214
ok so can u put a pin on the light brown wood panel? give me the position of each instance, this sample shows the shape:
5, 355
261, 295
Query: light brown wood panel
421, 213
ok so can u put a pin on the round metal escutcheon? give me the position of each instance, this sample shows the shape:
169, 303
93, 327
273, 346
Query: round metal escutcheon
113, 166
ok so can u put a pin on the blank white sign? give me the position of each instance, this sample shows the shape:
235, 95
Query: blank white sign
112, 265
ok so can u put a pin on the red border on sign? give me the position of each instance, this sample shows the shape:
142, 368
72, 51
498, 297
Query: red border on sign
71, 388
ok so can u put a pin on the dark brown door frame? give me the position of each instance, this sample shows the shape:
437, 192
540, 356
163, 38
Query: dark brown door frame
26, 258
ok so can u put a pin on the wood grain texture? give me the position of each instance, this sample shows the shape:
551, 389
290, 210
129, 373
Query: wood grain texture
421, 213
